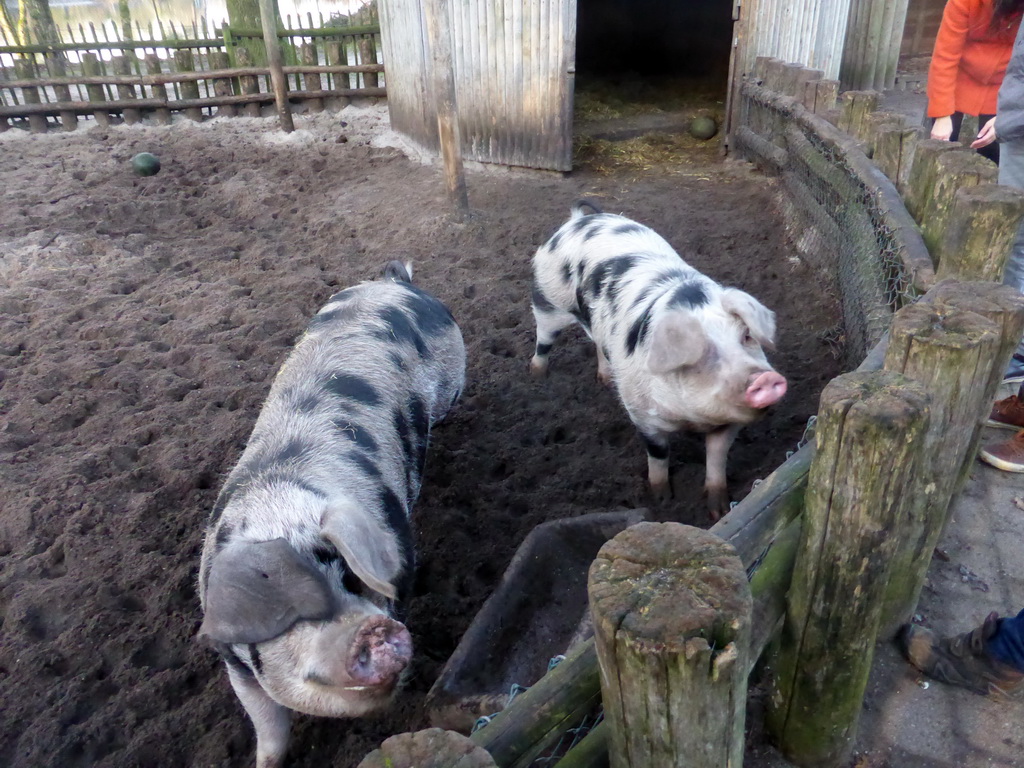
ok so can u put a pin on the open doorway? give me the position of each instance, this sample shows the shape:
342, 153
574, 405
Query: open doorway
646, 66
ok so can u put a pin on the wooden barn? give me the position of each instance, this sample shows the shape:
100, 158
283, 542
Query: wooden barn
517, 62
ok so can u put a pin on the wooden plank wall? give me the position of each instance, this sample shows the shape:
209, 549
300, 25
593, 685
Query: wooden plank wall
513, 64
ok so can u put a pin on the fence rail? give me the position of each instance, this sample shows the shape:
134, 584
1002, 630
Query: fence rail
129, 72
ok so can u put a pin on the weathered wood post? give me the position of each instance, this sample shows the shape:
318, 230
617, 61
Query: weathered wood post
222, 86
866, 421
269, 18
923, 172
951, 352
123, 66
953, 171
894, 153
311, 80
25, 69
590, 752
980, 231
57, 64
820, 95
250, 84
368, 55
185, 62
875, 122
443, 79
1004, 306
337, 55
854, 110
91, 68
431, 748
162, 115
671, 608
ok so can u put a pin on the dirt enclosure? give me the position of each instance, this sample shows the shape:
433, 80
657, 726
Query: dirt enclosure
141, 323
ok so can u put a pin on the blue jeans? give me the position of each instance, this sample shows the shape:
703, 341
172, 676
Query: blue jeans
1011, 173
1007, 644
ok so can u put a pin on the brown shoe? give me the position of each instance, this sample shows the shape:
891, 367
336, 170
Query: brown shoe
960, 660
1007, 456
1007, 413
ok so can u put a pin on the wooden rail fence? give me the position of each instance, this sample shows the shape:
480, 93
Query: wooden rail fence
133, 73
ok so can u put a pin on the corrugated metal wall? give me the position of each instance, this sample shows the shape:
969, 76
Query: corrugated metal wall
514, 62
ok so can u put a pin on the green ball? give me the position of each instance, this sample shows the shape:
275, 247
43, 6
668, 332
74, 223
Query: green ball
146, 164
703, 127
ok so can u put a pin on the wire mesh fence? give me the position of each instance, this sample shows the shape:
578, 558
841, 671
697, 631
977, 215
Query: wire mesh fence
837, 212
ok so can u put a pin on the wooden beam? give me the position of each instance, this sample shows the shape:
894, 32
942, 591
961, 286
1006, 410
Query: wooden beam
277, 78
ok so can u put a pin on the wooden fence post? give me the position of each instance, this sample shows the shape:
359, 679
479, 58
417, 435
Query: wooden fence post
123, 66
277, 79
894, 153
162, 115
951, 352
1004, 306
337, 55
953, 171
57, 64
875, 122
865, 421
184, 62
431, 748
590, 752
671, 608
311, 80
249, 84
25, 69
91, 68
437, 17
980, 231
222, 86
923, 172
856, 106
368, 55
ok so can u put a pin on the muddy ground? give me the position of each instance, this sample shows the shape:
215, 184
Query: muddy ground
141, 323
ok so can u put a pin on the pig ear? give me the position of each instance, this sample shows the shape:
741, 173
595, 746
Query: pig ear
258, 590
370, 548
677, 339
755, 315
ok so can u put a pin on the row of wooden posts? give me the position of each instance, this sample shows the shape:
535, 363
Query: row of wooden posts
230, 90
835, 548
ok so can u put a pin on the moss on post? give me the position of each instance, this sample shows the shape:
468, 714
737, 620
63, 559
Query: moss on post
923, 173
982, 226
865, 421
954, 171
671, 608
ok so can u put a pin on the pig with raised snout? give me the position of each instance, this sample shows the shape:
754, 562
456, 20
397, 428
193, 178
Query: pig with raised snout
309, 551
684, 353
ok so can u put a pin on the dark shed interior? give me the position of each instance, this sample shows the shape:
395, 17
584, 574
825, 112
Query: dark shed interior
654, 37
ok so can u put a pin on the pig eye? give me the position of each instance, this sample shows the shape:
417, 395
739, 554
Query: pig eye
747, 338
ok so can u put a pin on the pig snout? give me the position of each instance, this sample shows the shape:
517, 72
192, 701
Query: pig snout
382, 648
765, 389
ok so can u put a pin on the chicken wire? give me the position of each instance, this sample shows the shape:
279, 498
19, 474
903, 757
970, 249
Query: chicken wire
834, 217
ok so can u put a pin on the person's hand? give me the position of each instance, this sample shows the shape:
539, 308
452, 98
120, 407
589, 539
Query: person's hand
942, 128
986, 135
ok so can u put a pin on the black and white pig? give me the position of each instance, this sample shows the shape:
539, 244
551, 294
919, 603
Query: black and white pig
309, 550
684, 352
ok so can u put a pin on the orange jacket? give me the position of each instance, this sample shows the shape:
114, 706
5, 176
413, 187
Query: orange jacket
969, 60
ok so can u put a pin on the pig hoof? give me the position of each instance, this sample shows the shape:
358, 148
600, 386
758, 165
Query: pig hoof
661, 491
539, 368
718, 503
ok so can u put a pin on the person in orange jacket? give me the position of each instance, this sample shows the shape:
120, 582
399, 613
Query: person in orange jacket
971, 52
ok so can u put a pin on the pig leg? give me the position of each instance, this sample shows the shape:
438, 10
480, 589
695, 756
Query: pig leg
603, 374
550, 323
717, 445
657, 466
271, 721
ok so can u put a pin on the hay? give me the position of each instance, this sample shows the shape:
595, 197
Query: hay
675, 153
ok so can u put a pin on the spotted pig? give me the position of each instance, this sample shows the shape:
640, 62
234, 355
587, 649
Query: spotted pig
683, 352
309, 552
